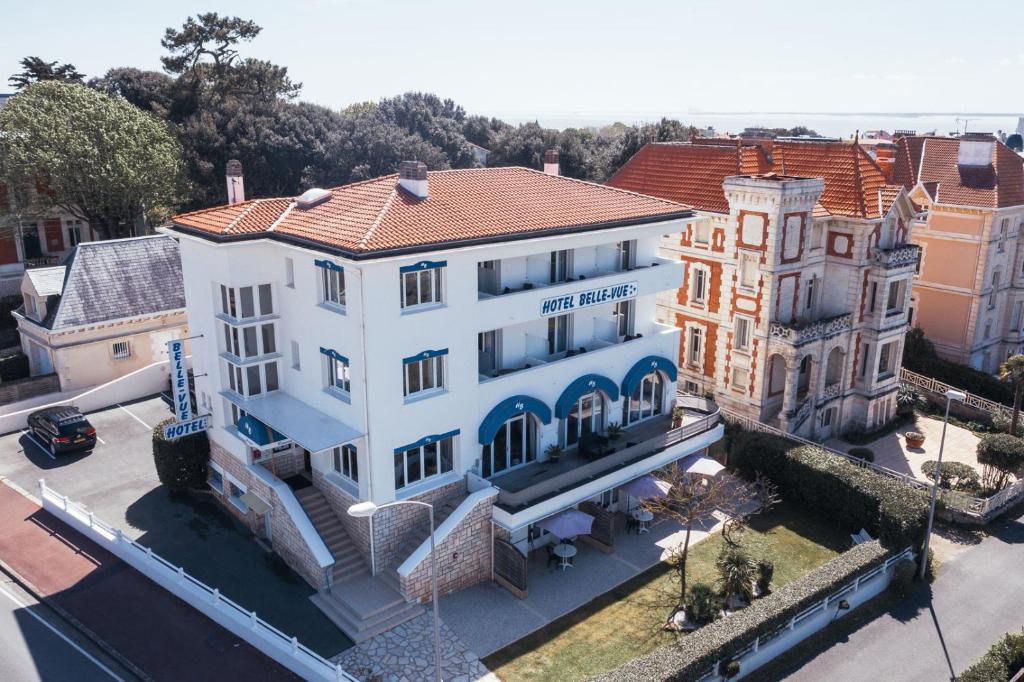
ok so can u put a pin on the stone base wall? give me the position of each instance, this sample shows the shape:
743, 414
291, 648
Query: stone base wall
286, 540
396, 527
284, 464
463, 557
340, 500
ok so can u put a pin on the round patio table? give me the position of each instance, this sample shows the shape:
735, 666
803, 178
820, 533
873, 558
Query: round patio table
644, 517
565, 552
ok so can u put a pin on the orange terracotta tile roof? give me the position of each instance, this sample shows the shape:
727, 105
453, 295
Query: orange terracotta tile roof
689, 173
933, 161
692, 173
463, 205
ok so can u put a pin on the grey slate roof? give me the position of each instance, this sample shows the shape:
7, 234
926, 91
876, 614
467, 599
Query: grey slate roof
47, 281
117, 279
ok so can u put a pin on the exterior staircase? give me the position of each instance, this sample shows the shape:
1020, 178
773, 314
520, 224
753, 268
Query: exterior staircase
360, 604
442, 510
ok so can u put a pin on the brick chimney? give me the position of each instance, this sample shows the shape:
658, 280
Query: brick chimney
412, 177
236, 186
551, 162
885, 157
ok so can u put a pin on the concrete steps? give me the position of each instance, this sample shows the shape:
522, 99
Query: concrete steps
365, 606
349, 563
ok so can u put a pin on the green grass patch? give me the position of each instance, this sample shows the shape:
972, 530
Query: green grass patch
625, 623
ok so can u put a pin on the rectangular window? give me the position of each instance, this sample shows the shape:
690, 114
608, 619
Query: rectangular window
886, 359
267, 336
248, 303
252, 378
421, 287
266, 299
559, 269
699, 291
424, 375
894, 302
333, 285
270, 370
346, 462
874, 296
74, 236
809, 305
622, 314
122, 350
296, 358
423, 462
249, 342
744, 328
289, 273
30, 305
994, 292
236, 497
626, 252
338, 374
217, 480
864, 360
748, 270
702, 231
694, 346
740, 378
558, 334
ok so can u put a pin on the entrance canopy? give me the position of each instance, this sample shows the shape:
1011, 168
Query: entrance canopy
296, 420
258, 433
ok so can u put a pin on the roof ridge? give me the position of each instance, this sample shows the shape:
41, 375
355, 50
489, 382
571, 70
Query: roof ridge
379, 219
255, 203
598, 184
284, 214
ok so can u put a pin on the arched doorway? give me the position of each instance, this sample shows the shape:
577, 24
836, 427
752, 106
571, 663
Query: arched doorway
514, 444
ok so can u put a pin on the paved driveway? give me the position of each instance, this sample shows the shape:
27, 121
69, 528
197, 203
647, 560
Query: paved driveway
118, 482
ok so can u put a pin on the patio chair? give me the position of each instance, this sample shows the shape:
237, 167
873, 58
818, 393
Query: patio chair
552, 557
632, 524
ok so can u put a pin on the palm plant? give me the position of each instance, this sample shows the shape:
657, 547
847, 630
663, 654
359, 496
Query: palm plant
737, 573
1013, 371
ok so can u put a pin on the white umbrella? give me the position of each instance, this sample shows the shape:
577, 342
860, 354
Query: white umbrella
568, 523
705, 466
646, 487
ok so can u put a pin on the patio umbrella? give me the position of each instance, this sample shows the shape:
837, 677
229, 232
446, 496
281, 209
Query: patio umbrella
646, 487
705, 466
568, 523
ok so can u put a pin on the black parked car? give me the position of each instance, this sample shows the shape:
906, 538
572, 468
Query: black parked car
62, 429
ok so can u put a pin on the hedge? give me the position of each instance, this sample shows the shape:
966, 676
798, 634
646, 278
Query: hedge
14, 367
693, 655
827, 484
919, 356
1002, 661
181, 463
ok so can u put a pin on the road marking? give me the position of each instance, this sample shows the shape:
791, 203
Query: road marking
46, 450
101, 440
60, 634
133, 416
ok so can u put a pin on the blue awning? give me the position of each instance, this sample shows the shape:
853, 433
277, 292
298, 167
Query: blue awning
426, 440
328, 265
424, 355
423, 265
588, 383
331, 353
258, 433
644, 367
507, 408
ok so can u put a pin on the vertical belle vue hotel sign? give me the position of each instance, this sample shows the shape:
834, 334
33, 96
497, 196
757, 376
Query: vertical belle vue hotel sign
187, 423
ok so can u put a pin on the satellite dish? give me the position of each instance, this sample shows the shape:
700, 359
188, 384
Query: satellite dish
1015, 142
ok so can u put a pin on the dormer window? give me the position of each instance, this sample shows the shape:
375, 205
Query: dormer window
30, 307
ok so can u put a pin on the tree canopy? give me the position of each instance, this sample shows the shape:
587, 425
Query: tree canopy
35, 69
97, 157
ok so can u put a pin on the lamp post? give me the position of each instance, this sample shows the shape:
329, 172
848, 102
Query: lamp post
959, 397
368, 509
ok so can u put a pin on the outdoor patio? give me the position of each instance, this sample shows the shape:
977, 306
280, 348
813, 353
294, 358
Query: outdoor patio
891, 450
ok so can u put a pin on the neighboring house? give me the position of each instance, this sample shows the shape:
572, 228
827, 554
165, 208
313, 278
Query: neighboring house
969, 293
107, 310
479, 153
427, 336
795, 302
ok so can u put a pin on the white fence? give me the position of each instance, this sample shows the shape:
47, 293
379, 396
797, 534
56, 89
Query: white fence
812, 619
936, 386
246, 624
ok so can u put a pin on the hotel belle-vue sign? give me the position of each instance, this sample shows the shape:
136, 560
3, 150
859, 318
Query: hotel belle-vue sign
558, 305
186, 423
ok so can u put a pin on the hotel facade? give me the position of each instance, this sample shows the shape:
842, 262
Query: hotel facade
430, 337
798, 278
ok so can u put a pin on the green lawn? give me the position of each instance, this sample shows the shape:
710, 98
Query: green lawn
626, 622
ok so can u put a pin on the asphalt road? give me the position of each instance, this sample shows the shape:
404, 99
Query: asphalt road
978, 596
37, 646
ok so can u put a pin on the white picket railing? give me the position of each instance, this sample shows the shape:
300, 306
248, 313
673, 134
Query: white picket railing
936, 386
287, 651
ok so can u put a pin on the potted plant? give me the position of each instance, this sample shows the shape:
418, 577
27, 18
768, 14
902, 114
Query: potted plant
553, 452
915, 439
614, 431
677, 417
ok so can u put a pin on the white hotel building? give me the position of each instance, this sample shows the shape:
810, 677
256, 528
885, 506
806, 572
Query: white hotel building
428, 336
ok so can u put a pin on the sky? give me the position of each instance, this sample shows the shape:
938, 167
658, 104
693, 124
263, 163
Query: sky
632, 58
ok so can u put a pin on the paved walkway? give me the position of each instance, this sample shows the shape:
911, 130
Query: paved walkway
891, 450
157, 632
406, 654
976, 598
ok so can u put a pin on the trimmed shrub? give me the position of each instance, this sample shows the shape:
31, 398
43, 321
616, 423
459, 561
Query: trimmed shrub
693, 655
703, 605
866, 454
1002, 455
1002, 661
1002, 421
765, 572
903, 578
955, 476
180, 464
14, 367
851, 496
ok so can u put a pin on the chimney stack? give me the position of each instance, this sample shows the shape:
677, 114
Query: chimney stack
551, 162
412, 177
236, 186
885, 157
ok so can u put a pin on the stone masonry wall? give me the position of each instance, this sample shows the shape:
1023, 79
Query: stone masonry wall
358, 529
395, 527
463, 558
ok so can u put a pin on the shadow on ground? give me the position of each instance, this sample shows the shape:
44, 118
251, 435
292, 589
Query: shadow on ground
192, 530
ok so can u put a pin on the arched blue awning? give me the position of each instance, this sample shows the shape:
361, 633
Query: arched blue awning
644, 367
588, 383
258, 433
507, 408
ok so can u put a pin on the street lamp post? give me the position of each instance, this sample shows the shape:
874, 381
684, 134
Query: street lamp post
368, 509
959, 397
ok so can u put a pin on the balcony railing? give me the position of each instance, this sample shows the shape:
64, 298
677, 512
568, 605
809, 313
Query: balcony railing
897, 257
800, 333
538, 359
576, 278
538, 481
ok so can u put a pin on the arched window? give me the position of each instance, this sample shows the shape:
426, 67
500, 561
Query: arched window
586, 416
647, 400
514, 444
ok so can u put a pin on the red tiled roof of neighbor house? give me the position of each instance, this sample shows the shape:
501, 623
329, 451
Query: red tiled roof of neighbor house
462, 205
933, 162
693, 173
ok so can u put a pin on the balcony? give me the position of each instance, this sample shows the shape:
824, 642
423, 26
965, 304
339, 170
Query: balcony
800, 333
642, 448
897, 257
